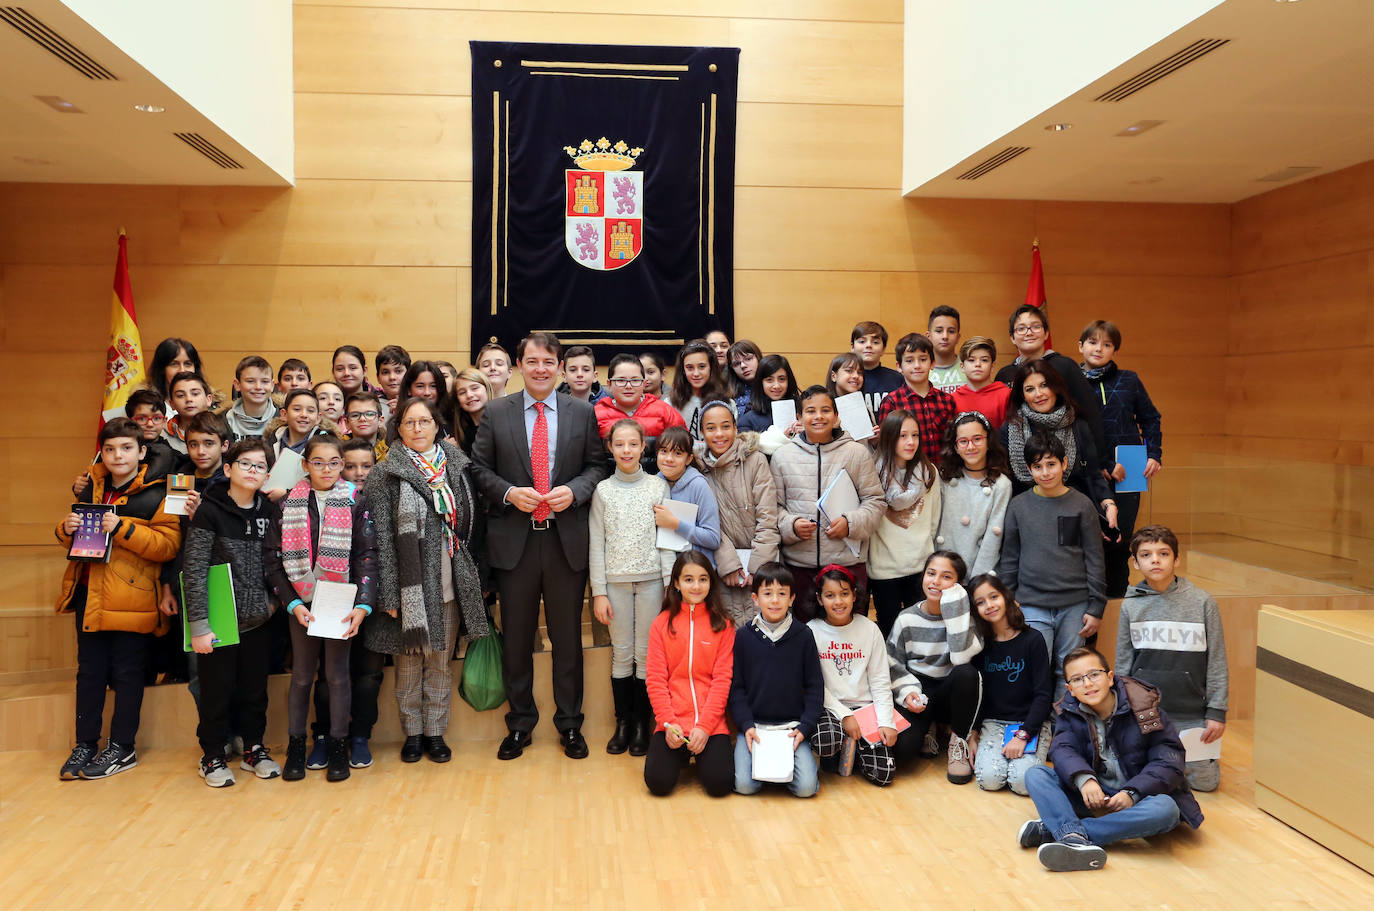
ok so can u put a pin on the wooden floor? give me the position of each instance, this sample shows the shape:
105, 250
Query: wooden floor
546, 831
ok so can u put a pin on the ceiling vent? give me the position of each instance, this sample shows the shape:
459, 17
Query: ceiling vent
996, 161
1171, 64
36, 31
209, 150
1288, 173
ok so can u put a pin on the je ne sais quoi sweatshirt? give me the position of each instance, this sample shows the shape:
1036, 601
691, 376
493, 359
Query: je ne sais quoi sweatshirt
1173, 639
855, 667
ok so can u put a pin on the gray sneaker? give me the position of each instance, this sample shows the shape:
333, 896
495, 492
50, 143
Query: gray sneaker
216, 773
1073, 852
1033, 834
258, 761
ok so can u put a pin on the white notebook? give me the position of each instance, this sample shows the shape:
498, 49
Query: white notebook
669, 539
773, 755
332, 604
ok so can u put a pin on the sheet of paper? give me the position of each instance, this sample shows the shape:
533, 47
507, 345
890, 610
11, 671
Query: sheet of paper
854, 416
288, 471
332, 604
784, 413
744, 553
1193, 747
839, 498
175, 505
669, 539
773, 755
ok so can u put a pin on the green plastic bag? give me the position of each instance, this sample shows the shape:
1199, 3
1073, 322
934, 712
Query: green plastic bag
484, 680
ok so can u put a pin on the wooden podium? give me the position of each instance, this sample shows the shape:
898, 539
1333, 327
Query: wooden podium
1314, 726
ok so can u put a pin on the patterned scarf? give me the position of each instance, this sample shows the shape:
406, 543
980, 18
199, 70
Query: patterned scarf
432, 466
303, 564
1056, 422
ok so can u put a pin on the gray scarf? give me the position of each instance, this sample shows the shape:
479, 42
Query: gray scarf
1055, 422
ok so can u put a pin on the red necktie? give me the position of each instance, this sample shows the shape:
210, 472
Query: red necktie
539, 460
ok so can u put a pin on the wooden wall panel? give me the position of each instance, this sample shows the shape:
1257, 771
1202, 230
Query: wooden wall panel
1321, 217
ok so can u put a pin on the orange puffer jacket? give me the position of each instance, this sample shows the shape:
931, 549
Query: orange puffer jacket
122, 595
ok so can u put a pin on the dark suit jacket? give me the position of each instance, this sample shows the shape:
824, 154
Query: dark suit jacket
501, 460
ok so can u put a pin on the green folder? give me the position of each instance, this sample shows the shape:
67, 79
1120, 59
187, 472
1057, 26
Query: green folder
224, 614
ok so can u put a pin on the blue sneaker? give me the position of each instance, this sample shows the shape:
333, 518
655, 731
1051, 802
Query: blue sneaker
319, 754
359, 756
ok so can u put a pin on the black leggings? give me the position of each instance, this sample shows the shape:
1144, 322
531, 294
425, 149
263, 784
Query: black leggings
891, 595
954, 700
715, 765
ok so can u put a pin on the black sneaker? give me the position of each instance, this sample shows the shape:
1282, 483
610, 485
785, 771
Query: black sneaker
112, 760
294, 770
81, 755
1070, 853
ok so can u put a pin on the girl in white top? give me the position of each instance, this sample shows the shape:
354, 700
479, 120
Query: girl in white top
974, 492
906, 535
627, 570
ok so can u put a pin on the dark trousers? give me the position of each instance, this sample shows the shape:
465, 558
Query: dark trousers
1118, 556
108, 659
544, 571
715, 765
234, 675
306, 652
805, 607
365, 675
954, 700
891, 595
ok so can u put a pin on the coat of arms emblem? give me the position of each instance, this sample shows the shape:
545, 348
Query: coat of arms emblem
604, 205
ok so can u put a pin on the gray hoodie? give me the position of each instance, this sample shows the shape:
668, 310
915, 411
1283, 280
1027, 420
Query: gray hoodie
1173, 639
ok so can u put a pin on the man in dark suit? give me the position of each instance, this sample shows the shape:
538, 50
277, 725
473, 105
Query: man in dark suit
538, 458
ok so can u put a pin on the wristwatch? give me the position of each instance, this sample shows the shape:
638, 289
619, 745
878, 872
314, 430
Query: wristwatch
1022, 735
1135, 795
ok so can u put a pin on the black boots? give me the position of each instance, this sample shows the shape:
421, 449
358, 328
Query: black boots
623, 690
413, 749
643, 719
337, 770
294, 770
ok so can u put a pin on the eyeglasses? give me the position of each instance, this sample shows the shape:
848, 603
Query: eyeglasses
966, 442
741, 361
627, 382
364, 415
1028, 330
251, 467
419, 424
1089, 677
151, 419
321, 464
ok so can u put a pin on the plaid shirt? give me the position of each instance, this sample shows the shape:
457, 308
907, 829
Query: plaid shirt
933, 414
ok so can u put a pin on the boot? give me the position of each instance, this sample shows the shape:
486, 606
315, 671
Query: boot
643, 719
294, 769
622, 689
337, 769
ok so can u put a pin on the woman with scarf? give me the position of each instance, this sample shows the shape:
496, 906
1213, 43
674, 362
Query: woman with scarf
430, 589
1040, 403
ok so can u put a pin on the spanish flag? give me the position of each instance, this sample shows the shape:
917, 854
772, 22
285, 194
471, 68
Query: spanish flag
1035, 289
124, 370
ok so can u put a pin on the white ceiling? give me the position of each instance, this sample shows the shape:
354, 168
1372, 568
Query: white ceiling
1293, 88
109, 142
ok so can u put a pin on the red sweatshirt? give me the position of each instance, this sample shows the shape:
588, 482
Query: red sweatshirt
689, 672
991, 400
653, 414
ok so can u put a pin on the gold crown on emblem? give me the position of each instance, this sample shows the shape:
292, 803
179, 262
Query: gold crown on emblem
602, 156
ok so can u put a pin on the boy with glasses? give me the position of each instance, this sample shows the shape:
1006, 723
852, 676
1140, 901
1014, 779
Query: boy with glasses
1118, 770
363, 411
1029, 328
629, 400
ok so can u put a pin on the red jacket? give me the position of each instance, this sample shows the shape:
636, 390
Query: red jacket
653, 414
689, 672
991, 400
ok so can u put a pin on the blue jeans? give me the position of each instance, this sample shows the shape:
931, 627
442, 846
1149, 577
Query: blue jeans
1154, 815
1059, 626
805, 774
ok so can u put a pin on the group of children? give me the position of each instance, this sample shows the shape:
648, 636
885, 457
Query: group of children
988, 570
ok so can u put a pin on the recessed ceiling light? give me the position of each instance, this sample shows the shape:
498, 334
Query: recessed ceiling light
1140, 126
149, 108
59, 104
1059, 127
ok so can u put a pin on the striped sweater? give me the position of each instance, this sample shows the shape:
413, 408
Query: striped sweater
929, 644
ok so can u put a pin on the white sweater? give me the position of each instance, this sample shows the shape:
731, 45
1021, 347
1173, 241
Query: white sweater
905, 537
623, 537
855, 667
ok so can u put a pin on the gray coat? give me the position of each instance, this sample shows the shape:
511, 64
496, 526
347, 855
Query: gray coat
382, 632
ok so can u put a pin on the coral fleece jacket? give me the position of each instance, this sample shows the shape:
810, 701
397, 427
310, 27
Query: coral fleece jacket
689, 672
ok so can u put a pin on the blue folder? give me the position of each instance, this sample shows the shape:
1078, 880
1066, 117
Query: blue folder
1133, 459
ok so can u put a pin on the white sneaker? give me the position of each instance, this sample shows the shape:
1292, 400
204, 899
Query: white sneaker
216, 773
258, 761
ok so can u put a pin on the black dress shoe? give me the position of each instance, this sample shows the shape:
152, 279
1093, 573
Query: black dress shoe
574, 744
436, 749
412, 749
513, 745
